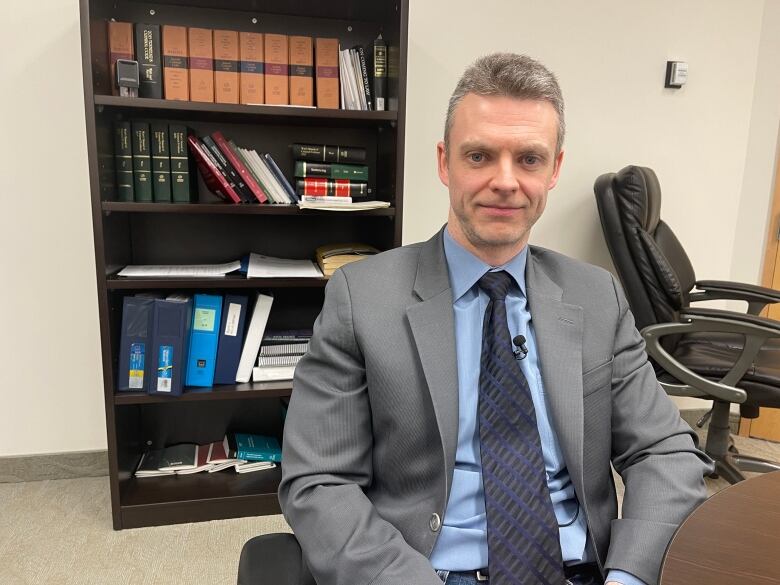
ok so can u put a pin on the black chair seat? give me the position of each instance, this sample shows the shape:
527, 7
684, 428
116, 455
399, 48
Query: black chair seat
713, 356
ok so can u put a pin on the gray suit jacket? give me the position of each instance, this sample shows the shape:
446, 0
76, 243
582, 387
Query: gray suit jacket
371, 433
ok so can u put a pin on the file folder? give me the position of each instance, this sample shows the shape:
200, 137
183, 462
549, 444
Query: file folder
134, 370
170, 335
231, 338
204, 334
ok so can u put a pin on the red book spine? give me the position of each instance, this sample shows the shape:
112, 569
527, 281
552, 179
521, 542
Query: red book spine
256, 189
322, 187
211, 175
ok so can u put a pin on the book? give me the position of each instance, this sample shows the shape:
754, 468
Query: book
338, 204
120, 46
148, 53
245, 157
271, 348
380, 73
201, 61
176, 78
227, 170
240, 167
278, 360
350, 99
252, 68
123, 161
218, 456
331, 257
180, 164
250, 466
279, 175
363, 74
276, 69
161, 163
226, 57
201, 462
249, 447
168, 460
254, 336
212, 176
358, 79
133, 370
170, 335
326, 55
273, 373
269, 181
231, 337
204, 335
331, 188
142, 162
329, 153
305, 169
301, 55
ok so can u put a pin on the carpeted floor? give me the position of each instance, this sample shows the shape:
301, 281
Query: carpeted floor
58, 532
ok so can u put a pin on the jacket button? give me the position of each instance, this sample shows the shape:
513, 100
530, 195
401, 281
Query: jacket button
435, 522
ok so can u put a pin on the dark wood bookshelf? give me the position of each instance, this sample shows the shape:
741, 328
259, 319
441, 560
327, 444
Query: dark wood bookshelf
208, 231
228, 209
226, 392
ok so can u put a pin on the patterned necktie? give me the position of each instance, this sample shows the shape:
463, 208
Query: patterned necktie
522, 531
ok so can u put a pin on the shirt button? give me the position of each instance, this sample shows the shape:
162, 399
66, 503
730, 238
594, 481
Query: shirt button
435, 522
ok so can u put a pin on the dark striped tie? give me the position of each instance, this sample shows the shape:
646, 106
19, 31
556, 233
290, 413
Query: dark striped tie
522, 532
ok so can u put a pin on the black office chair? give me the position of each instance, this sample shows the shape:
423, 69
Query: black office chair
273, 559
724, 356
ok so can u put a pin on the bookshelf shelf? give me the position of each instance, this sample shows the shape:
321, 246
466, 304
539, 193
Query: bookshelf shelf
209, 231
227, 392
228, 209
198, 497
228, 282
239, 112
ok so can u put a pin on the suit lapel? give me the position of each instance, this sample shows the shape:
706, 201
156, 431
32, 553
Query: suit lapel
558, 331
433, 327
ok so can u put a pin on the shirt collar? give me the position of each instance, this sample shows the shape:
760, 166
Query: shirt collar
466, 269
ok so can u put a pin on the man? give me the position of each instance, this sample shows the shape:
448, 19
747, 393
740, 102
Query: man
422, 445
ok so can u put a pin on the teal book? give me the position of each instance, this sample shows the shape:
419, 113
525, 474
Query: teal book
254, 447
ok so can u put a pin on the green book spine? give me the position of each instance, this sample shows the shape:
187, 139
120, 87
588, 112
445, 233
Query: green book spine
142, 162
180, 164
161, 163
305, 169
123, 161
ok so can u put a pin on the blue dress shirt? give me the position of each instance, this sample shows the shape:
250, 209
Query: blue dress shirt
462, 544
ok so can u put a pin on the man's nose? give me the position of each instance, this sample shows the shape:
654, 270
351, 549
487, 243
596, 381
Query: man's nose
504, 179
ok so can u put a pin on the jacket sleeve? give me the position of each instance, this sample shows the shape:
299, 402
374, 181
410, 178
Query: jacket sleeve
327, 463
655, 452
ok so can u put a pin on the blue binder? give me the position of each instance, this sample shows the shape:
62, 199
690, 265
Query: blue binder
231, 338
134, 372
204, 334
170, 335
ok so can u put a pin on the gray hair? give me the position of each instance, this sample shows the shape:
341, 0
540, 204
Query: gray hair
511, 75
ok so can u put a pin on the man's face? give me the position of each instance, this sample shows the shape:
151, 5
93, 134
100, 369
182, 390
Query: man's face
499, 166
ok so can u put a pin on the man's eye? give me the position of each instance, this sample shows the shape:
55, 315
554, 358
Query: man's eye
476, 157
531, 159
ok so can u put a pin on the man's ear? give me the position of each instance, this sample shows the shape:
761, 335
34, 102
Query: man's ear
556, 171
441, 159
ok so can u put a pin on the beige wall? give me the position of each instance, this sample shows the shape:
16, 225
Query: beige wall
610, 57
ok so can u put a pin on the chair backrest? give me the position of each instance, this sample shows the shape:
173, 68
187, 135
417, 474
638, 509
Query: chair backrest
651, 263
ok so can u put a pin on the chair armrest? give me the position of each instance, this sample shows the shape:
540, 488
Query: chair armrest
757, 297
273, 558
733, 322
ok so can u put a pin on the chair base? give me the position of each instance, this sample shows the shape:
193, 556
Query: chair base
729, 463
273, 559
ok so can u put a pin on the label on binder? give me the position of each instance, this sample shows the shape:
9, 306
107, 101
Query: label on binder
136, 369
204, 319
165, 368
233, 318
